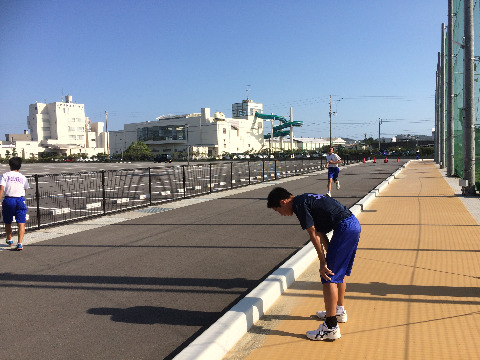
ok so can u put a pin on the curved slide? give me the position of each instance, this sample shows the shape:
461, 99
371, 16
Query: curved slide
279, 129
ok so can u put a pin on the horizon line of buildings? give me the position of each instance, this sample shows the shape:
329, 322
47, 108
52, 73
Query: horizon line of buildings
62, 128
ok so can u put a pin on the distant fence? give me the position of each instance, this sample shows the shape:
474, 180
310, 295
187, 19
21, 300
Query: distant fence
65, 197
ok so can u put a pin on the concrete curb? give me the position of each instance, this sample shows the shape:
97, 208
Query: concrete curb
219, 338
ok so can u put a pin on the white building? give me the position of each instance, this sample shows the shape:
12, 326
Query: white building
201, 133
63, 128
246, 108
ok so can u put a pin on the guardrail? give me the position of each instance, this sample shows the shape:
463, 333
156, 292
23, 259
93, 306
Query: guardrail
69, 197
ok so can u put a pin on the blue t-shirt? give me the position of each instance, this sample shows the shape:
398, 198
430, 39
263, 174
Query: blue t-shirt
321, 211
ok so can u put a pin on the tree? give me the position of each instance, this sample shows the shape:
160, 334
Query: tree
14, 152
137, 151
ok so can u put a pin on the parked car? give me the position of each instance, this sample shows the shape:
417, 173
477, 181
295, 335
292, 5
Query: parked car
163, 158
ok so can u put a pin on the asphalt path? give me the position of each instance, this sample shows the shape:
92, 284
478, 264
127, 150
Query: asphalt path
145, 288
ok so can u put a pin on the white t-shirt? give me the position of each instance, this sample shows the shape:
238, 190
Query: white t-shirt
15, 184
333, 157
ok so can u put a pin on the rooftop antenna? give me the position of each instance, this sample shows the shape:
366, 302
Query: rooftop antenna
248, 89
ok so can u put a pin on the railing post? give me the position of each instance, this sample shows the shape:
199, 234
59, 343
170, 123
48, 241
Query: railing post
231, 175
248, 172
150, 185
37, 198
104, 200
263, 170
275, 169
184, 182
210, 165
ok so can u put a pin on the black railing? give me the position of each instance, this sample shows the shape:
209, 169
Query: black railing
69, 197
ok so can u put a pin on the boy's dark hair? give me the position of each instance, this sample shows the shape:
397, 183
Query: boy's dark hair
15, 163
276, 195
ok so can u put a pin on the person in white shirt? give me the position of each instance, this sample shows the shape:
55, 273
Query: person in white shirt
332, 165
13, 184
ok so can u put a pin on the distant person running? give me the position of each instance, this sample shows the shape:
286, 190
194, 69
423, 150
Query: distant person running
320, 214
14, 184
332, 165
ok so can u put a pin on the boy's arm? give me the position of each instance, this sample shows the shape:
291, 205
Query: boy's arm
320, 243
2, 188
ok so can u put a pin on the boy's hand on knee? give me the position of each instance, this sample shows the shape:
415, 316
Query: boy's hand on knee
325, 271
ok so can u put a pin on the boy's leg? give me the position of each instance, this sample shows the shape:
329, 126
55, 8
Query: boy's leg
330, 296
341, 288
21, 232
8, 231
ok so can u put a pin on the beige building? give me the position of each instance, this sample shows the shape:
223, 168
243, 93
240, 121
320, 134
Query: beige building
63, 128
202, 134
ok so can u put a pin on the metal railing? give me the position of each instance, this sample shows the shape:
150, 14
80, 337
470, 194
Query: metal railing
68, 197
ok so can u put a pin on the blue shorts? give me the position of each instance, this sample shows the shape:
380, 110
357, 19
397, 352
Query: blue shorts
333, 173
342, 248
14, 206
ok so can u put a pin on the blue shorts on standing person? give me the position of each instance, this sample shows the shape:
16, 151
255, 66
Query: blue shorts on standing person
14, 206
342, 248
333, 173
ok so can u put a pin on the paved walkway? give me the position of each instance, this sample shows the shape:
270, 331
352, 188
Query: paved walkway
414, 291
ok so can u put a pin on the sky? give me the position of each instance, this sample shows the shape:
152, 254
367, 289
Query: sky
140, 59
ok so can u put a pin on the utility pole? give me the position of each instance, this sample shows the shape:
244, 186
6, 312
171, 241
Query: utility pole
188, 147
442, 100
330, 116
291, 128
437, 114
450, 95
379, 123
468, 103
271, 137
106, 132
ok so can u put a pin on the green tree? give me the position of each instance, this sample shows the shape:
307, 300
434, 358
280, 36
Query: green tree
137, 151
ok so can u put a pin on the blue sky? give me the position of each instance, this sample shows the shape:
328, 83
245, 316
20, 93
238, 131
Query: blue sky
140, 59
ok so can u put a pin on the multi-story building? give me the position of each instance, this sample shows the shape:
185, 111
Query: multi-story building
63, 128
197, 133
246, 108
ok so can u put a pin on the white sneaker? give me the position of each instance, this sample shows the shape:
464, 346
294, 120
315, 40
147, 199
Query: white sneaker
338, 185
324, 333
329, 194
341, 318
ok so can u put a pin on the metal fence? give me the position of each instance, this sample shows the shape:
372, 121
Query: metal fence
68, 197
458, 87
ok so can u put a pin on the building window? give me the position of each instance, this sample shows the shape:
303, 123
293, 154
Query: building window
224, 130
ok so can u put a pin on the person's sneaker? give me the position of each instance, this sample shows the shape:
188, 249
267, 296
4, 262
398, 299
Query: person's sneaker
341, 318
324, 333
19, 247
329, 194
338, 185
9, 242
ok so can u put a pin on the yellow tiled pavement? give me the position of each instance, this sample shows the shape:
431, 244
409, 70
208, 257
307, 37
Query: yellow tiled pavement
414, 290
